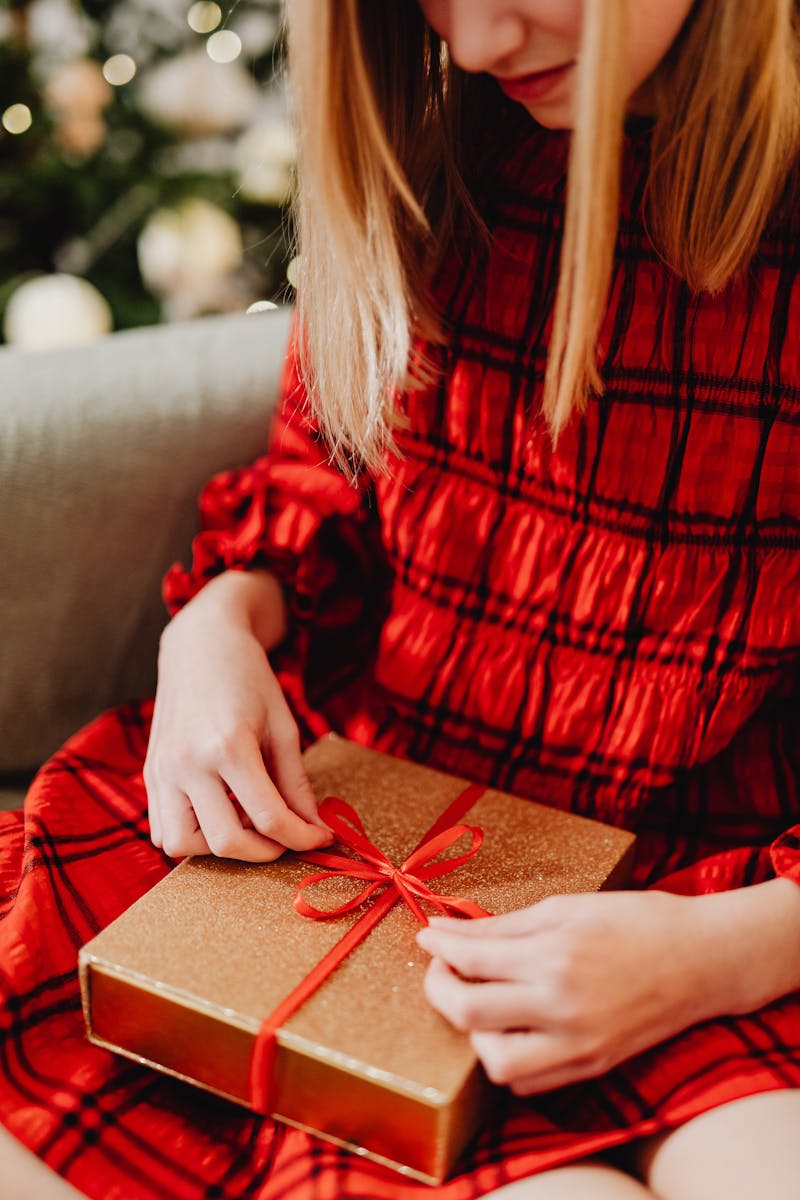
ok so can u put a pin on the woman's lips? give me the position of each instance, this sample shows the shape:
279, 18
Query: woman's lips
535, 86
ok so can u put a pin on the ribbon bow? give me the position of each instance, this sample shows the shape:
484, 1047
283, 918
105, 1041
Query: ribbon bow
408, 880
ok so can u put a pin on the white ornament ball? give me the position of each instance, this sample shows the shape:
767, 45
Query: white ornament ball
57, 30
56, 310
257, 31
265, 158
183, 248
197, 97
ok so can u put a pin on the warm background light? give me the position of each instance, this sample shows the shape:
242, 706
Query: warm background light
203, 17
224, 46
259, 306
119, 69
17, 118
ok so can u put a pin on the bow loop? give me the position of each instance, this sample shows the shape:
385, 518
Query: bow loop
378, 872
343, 820
422, 860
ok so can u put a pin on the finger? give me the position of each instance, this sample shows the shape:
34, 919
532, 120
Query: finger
289, 774
248, 779
154, 821
241, 815
548, 1081
547, 914
475, 958
223, 830
152, 791
180, 832
509, 1058
476, 1006
154, 817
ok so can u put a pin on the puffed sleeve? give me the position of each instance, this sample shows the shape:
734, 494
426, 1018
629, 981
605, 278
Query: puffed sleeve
785, 854
295, 514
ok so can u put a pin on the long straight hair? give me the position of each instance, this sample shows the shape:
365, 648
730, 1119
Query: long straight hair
385, 126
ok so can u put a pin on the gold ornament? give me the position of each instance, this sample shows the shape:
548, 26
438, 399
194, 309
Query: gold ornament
76, 96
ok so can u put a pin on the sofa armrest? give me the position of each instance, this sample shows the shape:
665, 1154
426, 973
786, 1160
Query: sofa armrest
103, 450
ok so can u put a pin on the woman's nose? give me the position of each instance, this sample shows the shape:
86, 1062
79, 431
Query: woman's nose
484, 35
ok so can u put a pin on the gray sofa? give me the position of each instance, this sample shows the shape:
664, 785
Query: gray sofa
103, 450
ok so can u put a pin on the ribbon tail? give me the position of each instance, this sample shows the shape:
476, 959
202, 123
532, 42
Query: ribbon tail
262, 1061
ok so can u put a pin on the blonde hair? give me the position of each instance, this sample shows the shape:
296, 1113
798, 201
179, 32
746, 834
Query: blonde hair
385, 123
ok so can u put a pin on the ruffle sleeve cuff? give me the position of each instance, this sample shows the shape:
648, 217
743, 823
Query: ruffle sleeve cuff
785, 854
269, 514
295, 514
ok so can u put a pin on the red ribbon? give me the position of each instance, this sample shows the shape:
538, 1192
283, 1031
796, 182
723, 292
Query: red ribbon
407, 883
409, 879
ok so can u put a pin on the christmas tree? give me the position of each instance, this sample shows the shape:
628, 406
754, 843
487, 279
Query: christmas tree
145, 163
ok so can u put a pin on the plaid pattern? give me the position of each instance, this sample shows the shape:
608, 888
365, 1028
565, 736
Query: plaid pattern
611, 626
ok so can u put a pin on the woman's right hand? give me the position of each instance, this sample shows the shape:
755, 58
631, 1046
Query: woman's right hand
221, 725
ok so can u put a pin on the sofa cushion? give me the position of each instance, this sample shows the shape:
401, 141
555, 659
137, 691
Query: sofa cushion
103, 450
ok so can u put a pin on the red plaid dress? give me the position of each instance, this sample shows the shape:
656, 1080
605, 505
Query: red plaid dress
612, 626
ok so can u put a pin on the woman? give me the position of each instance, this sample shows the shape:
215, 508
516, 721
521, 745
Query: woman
558, 550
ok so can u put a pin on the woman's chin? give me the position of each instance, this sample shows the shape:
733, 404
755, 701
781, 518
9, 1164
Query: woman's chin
556, 116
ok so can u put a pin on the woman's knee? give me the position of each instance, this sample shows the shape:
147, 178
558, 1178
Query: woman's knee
746, 1148
581, 1181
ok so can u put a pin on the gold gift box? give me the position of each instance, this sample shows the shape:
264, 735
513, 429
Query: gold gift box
183, 980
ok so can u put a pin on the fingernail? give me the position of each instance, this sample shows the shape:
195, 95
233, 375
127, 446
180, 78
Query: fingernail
441, 922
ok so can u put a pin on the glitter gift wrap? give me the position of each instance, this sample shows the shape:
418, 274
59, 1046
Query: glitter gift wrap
184, 980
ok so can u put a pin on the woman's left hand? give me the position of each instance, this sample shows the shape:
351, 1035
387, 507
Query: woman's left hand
565, 990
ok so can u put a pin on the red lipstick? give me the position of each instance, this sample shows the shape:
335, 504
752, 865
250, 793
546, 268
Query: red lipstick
537, 85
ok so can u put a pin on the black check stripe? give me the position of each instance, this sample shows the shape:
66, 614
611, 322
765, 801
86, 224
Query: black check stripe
610, 513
